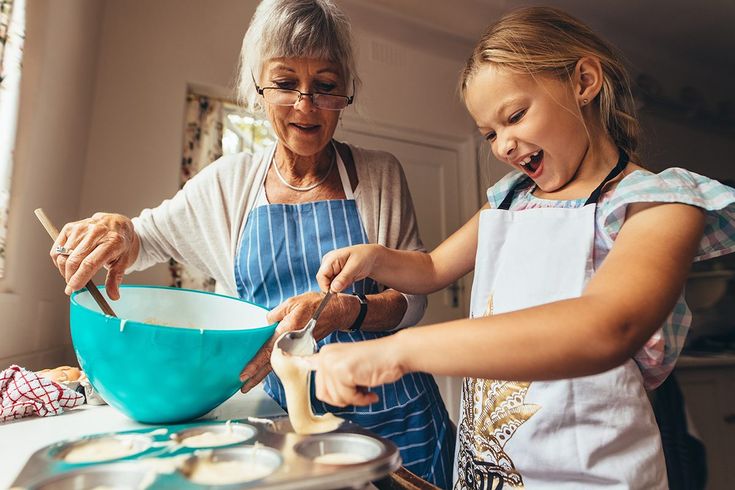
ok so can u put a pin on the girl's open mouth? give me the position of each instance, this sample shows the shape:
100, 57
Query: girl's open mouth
532, 164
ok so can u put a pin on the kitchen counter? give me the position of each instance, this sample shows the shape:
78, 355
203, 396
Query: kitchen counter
21, 438
708, 386
706, 361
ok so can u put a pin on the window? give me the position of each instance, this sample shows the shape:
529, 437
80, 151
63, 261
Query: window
244, 131
214, 127
12, 33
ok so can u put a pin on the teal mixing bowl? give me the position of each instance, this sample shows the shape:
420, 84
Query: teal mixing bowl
172, 354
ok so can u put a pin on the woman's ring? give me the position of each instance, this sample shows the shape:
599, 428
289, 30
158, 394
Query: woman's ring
64, 251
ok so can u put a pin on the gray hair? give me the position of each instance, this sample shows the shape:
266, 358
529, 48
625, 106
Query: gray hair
294, 29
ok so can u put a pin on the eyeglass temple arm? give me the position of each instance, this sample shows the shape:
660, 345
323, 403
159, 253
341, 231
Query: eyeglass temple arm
351, 98
257, 89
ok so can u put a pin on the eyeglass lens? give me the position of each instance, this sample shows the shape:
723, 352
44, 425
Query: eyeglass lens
290, 97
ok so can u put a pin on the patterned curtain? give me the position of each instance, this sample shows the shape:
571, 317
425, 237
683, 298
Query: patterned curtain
12, 34
202, 145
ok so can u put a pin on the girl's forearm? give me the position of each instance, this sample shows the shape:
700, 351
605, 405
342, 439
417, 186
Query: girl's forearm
411, 272
540, 343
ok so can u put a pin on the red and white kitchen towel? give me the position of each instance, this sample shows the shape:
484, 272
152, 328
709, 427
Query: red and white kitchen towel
24, 393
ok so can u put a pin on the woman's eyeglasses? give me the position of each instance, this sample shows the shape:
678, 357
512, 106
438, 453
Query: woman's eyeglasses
289, 97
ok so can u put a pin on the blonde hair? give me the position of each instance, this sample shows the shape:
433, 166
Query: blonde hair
294, 29
546, 40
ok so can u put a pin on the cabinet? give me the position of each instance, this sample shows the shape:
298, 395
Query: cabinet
708, 385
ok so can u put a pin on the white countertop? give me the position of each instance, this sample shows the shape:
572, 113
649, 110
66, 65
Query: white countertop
21, 438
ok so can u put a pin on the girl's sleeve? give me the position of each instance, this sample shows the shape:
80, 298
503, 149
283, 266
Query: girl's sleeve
496, 194
658, 356
676, 185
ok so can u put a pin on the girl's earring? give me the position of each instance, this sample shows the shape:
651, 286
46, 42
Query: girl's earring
584, 101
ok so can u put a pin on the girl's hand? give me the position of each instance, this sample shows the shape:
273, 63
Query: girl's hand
344, 370
293, 314
343, 266
104, 240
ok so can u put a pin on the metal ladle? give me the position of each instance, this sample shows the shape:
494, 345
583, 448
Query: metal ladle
301, 342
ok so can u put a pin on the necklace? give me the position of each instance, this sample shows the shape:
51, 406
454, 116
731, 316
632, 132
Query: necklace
308, 187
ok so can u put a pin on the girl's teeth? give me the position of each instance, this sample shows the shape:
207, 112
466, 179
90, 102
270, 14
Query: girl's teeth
527, 160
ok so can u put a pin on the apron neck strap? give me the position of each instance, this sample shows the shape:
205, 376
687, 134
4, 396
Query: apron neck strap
343, 176
619, 167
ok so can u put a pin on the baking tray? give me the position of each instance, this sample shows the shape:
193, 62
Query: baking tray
161, 457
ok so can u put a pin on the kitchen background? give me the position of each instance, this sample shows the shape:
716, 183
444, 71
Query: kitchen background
101, 125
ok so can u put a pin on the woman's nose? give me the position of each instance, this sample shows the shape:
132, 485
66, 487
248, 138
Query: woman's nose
305, 103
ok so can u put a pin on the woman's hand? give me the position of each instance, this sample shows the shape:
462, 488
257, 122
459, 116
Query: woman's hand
293, 314
104, 240
343, 266
344, 370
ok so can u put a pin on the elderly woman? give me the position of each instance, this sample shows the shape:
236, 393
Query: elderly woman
260, 224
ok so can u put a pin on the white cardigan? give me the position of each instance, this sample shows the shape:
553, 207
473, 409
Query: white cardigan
201, 225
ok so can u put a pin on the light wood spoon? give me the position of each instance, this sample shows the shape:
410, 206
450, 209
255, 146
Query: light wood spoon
54, 233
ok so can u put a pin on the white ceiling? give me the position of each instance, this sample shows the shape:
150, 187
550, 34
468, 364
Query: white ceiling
677, 42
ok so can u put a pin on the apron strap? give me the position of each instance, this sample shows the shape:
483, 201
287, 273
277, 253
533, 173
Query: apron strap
505, 205
619, 167
261, 199
346, 185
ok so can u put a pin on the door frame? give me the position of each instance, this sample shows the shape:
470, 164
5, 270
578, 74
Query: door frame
466, 150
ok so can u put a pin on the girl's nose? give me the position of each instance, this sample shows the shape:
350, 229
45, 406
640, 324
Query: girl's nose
509, 145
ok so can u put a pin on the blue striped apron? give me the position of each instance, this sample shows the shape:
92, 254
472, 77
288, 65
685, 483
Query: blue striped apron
280, 251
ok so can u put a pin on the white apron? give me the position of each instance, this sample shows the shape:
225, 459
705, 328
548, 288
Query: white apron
590, 432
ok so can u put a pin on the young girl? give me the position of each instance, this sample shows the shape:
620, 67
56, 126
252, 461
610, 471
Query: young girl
580, 257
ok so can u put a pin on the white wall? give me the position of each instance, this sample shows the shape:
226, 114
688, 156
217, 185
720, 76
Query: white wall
56, 88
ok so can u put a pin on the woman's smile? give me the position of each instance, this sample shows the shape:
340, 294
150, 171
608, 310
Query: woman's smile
305, 128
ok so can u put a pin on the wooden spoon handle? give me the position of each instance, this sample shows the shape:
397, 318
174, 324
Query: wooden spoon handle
54, 233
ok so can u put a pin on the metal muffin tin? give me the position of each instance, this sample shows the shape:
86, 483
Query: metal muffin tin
159, 460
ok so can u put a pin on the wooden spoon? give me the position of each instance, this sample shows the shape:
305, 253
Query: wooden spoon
54, 232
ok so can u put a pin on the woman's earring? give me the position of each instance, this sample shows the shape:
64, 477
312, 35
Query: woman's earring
584, 101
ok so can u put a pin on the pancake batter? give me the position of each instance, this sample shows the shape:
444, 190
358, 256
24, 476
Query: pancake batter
211, 472
293, 372
102, 449
340, 458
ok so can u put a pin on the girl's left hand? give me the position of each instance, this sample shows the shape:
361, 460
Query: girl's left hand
293, 314
343, 371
